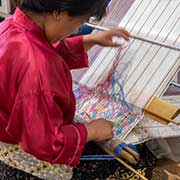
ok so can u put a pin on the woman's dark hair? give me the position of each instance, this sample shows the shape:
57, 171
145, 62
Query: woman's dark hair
95, 8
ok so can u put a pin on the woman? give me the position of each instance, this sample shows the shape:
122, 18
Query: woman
37, 104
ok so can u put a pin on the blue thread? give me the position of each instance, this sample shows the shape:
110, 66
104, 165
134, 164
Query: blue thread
123, 96
96, 157
133, 147
119, 148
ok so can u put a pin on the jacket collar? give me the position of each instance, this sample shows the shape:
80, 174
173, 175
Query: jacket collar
23, 21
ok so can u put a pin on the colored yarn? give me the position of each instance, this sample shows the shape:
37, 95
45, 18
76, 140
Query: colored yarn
104, 101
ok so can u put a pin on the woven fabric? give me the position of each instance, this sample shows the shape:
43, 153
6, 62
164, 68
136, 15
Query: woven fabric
13, 156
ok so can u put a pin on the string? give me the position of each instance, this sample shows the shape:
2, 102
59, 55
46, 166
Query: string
103, 101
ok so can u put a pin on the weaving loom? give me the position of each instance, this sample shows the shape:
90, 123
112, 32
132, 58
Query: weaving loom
145, 69
151, 66
148, 67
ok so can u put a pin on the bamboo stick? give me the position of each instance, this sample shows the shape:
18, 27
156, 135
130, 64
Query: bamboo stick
165, 119
122, 162
101, 28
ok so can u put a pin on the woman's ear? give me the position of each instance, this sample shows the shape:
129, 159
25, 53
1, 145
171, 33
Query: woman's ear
57, 16
61, 15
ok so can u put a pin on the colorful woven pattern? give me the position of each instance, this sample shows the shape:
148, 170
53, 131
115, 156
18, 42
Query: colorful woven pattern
92, 106
107, 100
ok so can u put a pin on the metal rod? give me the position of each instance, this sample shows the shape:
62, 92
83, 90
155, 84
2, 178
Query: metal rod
175, 84
101, 28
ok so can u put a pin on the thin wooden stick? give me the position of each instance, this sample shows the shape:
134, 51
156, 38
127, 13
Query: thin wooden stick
165, 119
122, 162
101, 28
131, 151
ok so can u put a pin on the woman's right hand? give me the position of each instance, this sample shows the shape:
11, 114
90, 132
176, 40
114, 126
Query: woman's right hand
99, 130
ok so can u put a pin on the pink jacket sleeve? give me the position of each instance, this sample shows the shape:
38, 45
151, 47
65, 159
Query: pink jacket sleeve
37, 123
72, 51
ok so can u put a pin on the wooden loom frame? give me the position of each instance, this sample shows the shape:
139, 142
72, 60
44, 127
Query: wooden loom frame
156, 59
143, 19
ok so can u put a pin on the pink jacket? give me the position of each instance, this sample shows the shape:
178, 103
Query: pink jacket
37, 104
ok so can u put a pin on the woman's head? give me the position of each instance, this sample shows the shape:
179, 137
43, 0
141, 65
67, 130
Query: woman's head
88, 8
69, 13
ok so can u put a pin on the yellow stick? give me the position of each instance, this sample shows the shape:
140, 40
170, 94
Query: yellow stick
125, 154
134, 153
123, 163
163, 118
128, 157
101, 28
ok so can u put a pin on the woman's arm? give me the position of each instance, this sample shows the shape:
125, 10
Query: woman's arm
104, 38
37, 124
73, 50
99, 130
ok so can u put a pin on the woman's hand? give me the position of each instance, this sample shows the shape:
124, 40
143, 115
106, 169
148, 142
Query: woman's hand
99, 130
105, 38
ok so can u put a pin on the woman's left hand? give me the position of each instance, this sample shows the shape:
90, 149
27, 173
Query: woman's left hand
106, 38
